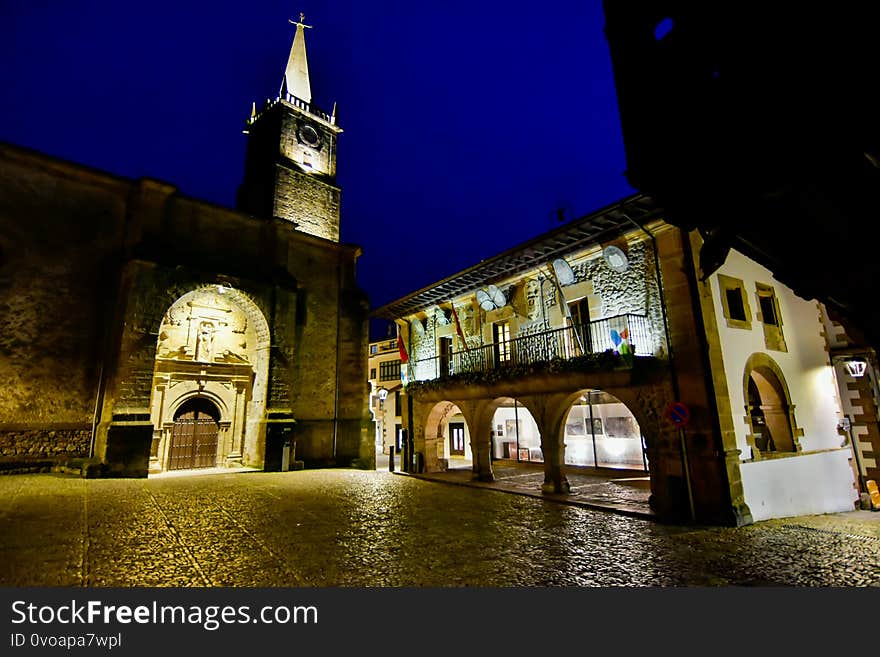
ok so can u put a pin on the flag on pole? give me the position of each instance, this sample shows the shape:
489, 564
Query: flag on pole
401, 348
458, 327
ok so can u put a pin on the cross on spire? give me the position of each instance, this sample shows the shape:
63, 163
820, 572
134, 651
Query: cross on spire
301, 21
296, 75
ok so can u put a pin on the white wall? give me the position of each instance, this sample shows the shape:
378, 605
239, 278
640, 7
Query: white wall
802, 483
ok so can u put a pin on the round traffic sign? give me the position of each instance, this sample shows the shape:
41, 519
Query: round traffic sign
678, 413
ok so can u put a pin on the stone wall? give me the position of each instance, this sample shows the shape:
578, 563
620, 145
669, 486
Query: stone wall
90, 264
634, 291
312, 205
322, 160
31, 443
53, 289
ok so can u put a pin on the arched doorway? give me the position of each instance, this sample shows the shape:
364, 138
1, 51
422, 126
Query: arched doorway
194, 436
448, 438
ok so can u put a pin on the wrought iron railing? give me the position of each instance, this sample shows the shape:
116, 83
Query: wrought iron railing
568, 342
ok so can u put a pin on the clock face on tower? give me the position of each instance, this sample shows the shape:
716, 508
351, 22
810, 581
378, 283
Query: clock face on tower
309, 136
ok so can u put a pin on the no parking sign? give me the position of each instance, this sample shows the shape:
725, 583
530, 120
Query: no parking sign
678, 413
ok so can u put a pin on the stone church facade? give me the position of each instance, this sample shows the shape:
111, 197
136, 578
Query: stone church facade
144, 331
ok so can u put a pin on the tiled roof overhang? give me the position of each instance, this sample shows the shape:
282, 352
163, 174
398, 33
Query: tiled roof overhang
593, 229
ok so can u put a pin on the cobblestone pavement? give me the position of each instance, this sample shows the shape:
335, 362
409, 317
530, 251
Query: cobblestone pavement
357, 528
622, 491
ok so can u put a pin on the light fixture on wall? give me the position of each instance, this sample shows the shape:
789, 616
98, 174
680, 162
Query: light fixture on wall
383, 394
855, 366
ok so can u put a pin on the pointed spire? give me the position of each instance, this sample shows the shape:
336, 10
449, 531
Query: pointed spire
296, 76
333, 115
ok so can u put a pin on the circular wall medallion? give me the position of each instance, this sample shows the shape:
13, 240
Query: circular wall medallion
615, 258
309, 136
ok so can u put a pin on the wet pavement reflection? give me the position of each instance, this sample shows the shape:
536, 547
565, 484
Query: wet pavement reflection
359, 528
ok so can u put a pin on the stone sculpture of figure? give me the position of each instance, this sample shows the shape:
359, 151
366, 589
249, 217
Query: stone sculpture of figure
205, 342
533, 291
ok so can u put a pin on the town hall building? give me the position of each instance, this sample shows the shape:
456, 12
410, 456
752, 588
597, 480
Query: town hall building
598, 346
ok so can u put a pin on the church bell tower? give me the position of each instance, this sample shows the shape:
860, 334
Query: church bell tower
290, 167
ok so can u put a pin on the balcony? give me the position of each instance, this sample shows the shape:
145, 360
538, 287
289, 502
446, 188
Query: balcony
565, 344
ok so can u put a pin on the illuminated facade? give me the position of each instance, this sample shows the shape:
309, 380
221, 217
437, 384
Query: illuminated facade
385, 395
596, 345
856, 367
157, 332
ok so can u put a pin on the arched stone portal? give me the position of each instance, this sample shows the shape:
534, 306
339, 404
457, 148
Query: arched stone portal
213, 345
447, 438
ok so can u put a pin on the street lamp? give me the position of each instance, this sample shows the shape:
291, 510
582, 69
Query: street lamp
855, 366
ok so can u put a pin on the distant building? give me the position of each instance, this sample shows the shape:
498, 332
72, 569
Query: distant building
596, 345
146, 331
385, 395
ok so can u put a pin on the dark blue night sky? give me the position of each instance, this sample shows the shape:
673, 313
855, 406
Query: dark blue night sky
466, 126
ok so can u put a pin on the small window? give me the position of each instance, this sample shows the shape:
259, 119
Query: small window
770, 317
501, 334
734, 302
374, 348
768, 311
735, 307
389, 370
372, 372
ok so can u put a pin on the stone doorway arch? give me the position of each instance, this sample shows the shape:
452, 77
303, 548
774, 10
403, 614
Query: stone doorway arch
213, 342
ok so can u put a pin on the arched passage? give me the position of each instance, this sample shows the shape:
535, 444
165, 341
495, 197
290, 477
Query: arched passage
515, 434
448, 437
601, 431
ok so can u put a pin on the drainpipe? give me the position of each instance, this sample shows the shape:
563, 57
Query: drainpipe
516, 426
338, 320
855, 449
99, 402
672, 367
592, 428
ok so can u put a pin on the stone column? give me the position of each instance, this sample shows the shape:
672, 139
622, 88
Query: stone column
158, 412
238, 426
478, 415
549, 412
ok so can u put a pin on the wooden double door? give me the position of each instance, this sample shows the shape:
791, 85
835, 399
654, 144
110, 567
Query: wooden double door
194, 436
